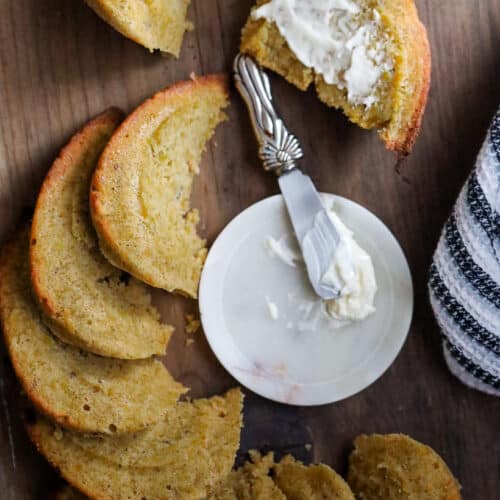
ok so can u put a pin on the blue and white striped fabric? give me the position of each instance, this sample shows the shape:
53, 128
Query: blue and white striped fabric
464, 282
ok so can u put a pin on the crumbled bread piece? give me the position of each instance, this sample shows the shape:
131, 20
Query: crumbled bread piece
262, 479
251, 481
192, 324
312, 482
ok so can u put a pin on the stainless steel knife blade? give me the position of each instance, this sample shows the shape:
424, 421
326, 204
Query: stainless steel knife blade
279, 150
317, 236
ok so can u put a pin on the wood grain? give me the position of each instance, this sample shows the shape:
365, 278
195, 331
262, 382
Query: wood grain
60, 65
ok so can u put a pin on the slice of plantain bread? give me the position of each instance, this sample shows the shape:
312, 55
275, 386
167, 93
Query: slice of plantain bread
76, 389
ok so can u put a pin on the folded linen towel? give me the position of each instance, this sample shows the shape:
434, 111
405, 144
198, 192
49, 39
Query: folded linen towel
464, 283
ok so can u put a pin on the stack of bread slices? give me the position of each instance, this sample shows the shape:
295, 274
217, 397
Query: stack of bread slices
82, 333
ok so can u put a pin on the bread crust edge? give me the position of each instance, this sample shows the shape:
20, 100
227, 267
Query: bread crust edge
103, 227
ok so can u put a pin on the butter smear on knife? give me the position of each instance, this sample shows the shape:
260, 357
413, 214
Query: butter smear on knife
351, 271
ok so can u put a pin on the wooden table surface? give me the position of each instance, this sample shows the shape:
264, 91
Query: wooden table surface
60, 65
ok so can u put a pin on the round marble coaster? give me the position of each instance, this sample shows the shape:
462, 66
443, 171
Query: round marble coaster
258, 312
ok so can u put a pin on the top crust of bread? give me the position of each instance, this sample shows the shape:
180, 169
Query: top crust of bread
155, 25
85, 300
406, 100
141, 188
396, 467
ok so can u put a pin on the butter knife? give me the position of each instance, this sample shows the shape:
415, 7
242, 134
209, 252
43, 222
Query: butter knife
279, 151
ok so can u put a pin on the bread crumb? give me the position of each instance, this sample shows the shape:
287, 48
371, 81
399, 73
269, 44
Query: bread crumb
192, 324
189, 342
308, 446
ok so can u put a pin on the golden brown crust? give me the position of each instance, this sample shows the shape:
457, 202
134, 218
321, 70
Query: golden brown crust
108, 119
125, 137
402, 131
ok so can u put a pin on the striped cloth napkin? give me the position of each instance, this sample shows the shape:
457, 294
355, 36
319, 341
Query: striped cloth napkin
464, 283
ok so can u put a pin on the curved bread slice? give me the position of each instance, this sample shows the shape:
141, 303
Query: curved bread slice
86, 301
187, 427
313, 482
402, 93
74, 388
396, 467
189, 469
155, 24
142, 185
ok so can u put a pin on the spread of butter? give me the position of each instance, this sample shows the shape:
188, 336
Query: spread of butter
351, 271
342, 40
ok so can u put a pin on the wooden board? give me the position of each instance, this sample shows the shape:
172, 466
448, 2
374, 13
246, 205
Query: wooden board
60, 65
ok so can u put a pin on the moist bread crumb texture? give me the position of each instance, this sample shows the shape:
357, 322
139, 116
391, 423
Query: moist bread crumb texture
401, 93
262, 479
74, 388
184, 457
140, 199
252, 481
313, 482
396, 467
86, 301
155, 24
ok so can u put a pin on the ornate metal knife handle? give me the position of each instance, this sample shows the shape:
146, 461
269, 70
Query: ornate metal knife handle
278, 148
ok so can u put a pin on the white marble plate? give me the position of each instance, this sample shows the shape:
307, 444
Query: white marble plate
277, 358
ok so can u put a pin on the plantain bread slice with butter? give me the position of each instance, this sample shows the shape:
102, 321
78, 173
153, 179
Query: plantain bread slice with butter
140, 198
402, 89
155, 24
194, 455
85, 300
74, 388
